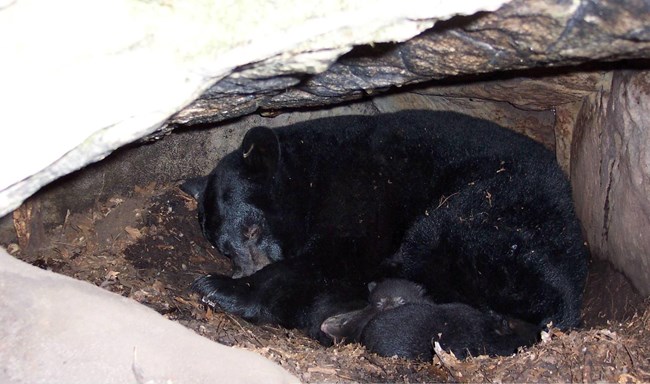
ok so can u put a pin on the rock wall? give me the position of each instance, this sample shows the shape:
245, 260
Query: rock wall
76, 88
610, 173
547, 35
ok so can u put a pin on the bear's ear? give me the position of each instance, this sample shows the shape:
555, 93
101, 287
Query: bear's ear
260, 150
195, 186
371, 286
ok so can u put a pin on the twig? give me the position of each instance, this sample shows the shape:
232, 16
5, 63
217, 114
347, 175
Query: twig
244, 330
374, 362
629, 355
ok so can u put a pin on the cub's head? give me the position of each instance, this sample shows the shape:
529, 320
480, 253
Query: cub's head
392, 293
235, 204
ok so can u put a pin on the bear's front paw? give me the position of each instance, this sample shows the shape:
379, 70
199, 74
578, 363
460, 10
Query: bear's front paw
223, 292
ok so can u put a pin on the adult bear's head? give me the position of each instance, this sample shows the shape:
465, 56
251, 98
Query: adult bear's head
235, 202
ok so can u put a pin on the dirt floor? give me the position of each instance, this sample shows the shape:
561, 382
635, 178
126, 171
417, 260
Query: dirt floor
148, 246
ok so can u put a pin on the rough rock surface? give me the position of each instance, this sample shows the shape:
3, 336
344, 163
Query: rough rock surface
529, 91
266, 63
85, 94
522, 34
610, 172
59, 330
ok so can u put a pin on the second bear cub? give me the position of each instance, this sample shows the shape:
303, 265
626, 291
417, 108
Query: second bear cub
400, 320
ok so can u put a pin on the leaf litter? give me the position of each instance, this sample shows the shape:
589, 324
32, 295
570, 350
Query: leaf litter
148, 246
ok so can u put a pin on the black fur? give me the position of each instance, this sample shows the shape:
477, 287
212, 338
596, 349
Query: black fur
401, 321
474, 213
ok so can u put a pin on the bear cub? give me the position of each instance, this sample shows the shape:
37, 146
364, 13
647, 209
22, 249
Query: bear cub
401, 321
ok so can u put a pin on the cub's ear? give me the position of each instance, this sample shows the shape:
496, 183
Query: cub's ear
260, 150
195, 186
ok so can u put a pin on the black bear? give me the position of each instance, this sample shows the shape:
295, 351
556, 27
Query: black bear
400, 321
311, 213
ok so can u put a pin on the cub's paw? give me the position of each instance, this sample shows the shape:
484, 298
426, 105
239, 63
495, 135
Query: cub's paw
223, 292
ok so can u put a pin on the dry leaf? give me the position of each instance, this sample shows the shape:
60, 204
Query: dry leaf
111, 275
133, 233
